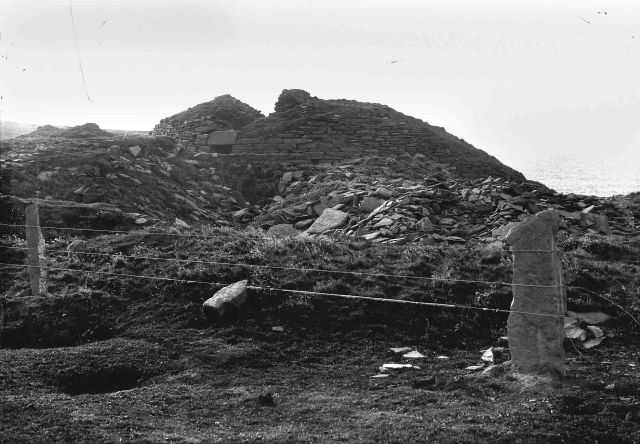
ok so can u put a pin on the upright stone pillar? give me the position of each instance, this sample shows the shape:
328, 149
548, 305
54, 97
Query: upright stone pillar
536, 341
35, 253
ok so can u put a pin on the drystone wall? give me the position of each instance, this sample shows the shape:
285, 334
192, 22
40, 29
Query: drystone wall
191, 127
308, 129
343, 138
191, 135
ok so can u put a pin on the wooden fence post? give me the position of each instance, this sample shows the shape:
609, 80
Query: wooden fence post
536, 341
35, 253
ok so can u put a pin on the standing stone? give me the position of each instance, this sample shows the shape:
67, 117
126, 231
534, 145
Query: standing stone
536, 341
35, 252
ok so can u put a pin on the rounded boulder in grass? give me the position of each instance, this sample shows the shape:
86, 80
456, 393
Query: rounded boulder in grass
227, 305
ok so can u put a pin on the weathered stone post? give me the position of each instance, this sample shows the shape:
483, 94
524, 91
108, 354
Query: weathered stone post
35, 253
536, 341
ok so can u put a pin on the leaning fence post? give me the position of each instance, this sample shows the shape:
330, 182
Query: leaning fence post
536, 341
35, 251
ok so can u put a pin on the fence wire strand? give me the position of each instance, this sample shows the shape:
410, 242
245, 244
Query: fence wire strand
303, 292
188, 236
315, 270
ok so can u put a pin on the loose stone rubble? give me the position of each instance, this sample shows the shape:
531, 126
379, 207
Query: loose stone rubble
412, 199
386, 199
144, 177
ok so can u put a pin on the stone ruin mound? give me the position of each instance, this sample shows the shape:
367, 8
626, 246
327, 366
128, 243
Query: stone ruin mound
312, 130
192, 127
46, 131
85, 131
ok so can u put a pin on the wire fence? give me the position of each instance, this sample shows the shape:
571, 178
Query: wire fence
286, 268
164, 233
291, 291
298, 269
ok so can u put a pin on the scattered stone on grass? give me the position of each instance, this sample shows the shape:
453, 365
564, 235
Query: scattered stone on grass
401, 349
593, 342
227, 303
181, 223
413, 355
493, 355
475, 367
393, 366
592, 318
422, 383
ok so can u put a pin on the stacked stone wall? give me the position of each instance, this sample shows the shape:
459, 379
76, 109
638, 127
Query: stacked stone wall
191, 136
344, 138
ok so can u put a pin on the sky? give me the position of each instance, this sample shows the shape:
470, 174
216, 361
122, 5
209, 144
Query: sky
520, 79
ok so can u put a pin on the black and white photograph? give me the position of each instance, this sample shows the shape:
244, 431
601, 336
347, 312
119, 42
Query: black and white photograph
320, 221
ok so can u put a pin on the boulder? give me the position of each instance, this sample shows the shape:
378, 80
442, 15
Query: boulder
426, 225
369, 204
135, 150
329, 220
227, 304
384, 192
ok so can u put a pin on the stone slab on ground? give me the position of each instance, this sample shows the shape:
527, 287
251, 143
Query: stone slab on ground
329, 220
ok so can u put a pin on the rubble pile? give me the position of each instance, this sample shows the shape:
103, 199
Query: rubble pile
409, 198
141, 176
391, 198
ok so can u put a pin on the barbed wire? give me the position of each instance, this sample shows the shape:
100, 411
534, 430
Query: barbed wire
316, 270
615, 304
184, 235
303, 292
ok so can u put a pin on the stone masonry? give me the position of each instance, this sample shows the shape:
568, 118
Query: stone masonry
190, 129
313, 130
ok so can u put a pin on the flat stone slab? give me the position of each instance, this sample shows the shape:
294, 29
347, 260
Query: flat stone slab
329, 220
369, 203
222, 138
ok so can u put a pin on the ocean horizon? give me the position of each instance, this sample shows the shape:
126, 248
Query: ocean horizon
604, 177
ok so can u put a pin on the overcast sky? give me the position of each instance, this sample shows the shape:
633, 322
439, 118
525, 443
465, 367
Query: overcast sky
515, 78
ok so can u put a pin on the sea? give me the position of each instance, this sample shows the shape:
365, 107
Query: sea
603, 177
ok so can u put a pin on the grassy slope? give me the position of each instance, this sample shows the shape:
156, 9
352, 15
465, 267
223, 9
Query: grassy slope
146, 366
